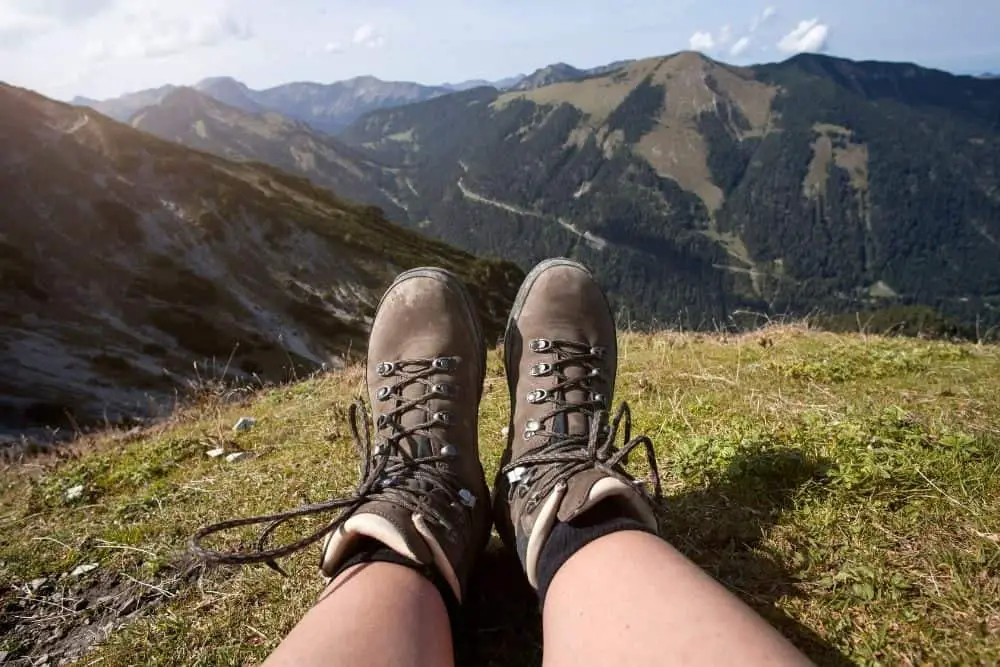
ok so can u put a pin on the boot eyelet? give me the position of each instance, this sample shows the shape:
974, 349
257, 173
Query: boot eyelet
598, 398
541, 370
598, 352
541, 345
444, 364
383, 393
531, 427
595, 372
467, 498
442, 389
443, 418
450, 451
381, 422
537, 396
385, 368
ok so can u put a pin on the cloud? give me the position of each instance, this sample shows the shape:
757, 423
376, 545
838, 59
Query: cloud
22, 20
740, 46
765, 15
154, 36
334, 47
807, 36
702, 41
368, 36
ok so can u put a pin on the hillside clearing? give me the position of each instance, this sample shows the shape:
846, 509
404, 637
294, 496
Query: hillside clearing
845, 486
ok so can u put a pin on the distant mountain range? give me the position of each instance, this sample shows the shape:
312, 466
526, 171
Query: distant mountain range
697, 190
326, 107
130, 265
330, 107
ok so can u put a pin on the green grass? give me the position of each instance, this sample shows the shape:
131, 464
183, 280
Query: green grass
846, 487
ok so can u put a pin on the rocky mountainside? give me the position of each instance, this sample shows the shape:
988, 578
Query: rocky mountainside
326, 107
700, 191
129, 265
194, 119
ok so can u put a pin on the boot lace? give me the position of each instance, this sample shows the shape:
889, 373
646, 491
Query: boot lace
422, 484
563, 455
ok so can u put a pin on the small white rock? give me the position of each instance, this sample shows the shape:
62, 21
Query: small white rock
83, 569
244, 424
237, 456
35, 584
74, 493
215, 453
505, 430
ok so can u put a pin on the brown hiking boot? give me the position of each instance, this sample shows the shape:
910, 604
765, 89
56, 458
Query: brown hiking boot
560, 354
422, 493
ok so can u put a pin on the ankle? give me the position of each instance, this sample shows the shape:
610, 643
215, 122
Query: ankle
370, 551
567, 538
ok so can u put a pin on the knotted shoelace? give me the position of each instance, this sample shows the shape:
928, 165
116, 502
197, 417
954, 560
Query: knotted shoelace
564, 455
388, 473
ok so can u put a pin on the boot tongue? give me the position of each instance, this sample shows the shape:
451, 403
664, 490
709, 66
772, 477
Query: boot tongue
574, 423
417, 445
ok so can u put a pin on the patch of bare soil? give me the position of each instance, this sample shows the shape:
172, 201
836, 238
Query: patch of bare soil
55, 620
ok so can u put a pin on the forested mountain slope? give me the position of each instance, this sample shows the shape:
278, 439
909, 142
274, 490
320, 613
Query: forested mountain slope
699, 190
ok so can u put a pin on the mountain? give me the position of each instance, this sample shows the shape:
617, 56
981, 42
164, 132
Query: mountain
332, 107
231, 92
194, 119
124, 107
701, 191
326, 107
130, 265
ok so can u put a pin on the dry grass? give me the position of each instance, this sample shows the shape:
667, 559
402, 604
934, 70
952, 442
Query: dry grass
845, 486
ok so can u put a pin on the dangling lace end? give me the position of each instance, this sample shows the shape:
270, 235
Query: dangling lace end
277, 568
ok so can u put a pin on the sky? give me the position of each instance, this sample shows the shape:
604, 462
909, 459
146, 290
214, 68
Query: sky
103, 48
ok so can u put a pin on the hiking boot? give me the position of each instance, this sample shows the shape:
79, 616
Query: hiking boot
422, 491
560, 355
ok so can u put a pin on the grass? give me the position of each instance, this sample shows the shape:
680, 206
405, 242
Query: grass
847, 487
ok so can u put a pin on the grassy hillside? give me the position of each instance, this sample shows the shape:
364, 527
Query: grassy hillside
845, 486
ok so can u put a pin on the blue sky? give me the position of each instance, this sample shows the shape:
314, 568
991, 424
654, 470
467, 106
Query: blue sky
101, 48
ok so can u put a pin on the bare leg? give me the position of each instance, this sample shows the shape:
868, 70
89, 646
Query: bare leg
373, 615
631, 599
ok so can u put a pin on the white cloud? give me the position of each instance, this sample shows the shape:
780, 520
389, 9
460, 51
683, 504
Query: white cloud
740, 46
368, 36
21, 20
702, 41
155, 36
758, 21
334, 47
807, 36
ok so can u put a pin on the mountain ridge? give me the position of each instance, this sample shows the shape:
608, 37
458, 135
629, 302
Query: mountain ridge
766, 189
126, 258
